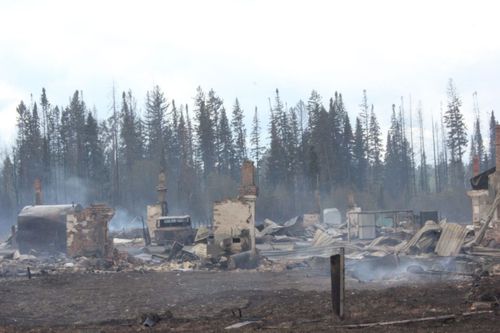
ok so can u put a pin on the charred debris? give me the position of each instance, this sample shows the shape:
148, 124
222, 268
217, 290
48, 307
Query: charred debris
379, 245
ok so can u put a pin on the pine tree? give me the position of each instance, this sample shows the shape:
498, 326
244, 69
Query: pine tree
492, 145
96, 172
335, 116
228, 163
457, 133
256, 150
359, 156
347, 150
131, 145
276, 160
477, 144
186, 180
397, 160
423, 176
155, 122
374, 152
239, 133
8, 193
207, 144
364, 117
321, 138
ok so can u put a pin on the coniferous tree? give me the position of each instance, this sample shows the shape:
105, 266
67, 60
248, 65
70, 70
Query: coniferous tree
397, 160
97, 174
457, 134
155, 123
239, 133
130, 136
335, 114
276, 158
256, 150
8, 202
360, 163
321, 139
492, 146
226, 153
347, 151
186, 178
374, 152
364, 117
205, 130
423, 176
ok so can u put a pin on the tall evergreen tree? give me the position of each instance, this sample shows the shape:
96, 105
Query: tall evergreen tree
492, 146
423, 176
346, 151
96, 172
226, 154
374, 152
155, 123
276, 159
360, 162
364, 117
8, 195
239, 133
205, 130
256, 148
457, 134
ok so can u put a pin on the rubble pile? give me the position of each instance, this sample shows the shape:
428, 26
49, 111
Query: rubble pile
436, 248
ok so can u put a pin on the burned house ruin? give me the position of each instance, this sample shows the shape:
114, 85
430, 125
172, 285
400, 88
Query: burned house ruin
165, 229
234, 219
69, 229
485, 196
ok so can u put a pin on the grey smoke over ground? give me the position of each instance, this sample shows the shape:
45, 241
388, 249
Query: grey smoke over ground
123, 220
391, 266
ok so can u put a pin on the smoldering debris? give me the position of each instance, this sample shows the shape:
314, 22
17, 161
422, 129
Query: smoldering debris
295, 244
378, 245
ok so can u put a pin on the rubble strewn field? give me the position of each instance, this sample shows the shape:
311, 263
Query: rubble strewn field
423, 279
296, 299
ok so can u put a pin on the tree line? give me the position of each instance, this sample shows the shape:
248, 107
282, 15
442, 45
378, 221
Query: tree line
312, 154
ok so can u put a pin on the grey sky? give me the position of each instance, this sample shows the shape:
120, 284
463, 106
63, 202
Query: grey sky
246, 49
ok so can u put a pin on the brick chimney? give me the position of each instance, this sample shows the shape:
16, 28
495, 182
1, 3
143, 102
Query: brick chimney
497, 148
475, 165
247, 186
38, 191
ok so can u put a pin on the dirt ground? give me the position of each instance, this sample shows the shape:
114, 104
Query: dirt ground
292, 300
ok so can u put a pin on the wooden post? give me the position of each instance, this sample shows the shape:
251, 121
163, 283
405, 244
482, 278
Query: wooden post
337, 278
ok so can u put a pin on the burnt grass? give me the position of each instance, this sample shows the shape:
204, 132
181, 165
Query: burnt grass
209, 301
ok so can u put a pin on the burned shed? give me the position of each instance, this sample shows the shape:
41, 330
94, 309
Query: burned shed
43, 228
68, 229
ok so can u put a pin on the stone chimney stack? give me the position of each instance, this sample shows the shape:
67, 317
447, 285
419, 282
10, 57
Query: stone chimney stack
161, 188
38, 191
248, 193
475, 166
248, 186
497, 148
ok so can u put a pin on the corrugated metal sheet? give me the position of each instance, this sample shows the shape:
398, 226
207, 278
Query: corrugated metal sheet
451, 240
48, 211
429, 226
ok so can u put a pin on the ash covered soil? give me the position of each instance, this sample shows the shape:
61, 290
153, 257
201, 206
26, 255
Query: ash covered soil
209, 301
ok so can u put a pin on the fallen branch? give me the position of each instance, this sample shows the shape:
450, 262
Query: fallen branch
414, 320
